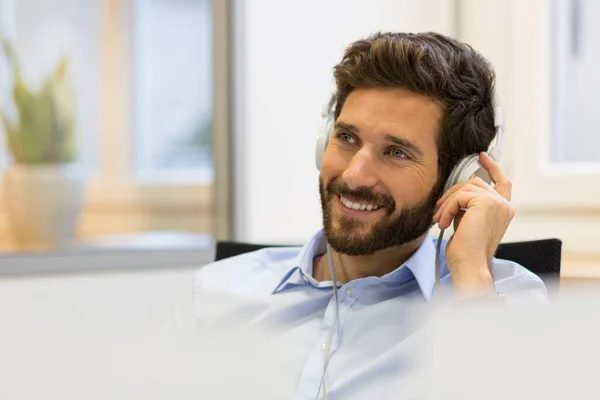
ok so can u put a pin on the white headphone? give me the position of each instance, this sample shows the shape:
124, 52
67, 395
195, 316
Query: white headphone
467, 168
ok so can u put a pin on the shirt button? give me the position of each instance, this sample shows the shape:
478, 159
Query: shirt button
350, 292
304, 278
324, 346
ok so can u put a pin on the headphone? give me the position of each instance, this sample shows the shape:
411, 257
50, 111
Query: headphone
467, 168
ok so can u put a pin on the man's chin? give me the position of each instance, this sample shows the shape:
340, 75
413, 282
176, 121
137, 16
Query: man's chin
351, 246
354, 243
352, 232
354, 235
360, 226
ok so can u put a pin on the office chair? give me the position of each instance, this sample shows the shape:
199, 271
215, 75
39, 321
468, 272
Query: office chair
542, 257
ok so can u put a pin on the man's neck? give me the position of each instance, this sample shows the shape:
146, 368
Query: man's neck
349, 268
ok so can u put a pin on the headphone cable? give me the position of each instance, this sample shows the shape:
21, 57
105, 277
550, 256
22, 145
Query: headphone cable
327, 349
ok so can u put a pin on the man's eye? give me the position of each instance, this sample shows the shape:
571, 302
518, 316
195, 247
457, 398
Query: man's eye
397, 153
345, 137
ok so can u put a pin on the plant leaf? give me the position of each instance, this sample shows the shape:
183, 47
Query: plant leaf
10, 53
45, 129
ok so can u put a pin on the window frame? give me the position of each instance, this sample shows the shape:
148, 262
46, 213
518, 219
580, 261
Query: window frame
113, 189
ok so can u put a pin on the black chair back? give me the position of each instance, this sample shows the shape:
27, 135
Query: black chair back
542, 257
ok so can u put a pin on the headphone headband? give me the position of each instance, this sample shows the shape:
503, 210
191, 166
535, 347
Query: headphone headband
495, 147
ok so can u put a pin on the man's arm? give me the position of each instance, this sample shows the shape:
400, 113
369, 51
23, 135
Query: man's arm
481, 214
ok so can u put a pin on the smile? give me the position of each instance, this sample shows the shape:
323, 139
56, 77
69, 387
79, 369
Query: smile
359, 206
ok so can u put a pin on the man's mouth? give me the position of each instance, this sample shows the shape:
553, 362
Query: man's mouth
359, 206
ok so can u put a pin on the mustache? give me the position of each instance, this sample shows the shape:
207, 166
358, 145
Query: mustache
362, 194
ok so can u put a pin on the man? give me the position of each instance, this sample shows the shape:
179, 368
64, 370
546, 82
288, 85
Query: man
408, 107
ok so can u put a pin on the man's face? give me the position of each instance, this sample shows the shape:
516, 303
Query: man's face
379, 176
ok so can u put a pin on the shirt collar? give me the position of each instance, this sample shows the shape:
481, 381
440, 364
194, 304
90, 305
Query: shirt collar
421, 264
301, 271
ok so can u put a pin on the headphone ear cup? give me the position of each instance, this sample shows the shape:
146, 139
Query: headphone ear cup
468, 168
320, 150
325, 132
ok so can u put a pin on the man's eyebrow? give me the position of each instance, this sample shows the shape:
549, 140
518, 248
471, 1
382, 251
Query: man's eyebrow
406, 144
346, 127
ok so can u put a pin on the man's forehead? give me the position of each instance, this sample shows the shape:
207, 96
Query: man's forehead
398, 112
391, 101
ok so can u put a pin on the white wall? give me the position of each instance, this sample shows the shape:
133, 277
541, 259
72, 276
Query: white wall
284, 54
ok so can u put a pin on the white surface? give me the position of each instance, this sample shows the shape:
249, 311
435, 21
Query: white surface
51, 302
132, 336
98, 334
285, 54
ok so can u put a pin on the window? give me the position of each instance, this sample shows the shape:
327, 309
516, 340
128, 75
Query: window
546, 63
576, 81
172, 86
148, 105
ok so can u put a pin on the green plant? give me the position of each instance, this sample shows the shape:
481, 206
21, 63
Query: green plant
44, 131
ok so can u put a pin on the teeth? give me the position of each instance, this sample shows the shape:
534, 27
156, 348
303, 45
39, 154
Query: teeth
358, 206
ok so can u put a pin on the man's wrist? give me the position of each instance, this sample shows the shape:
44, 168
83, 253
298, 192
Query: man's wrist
473, 281
492, 298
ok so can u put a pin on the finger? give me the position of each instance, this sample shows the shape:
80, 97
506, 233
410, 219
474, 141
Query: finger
502, 184
450, 192
457, 219
477, 181
456, 205
447, 199
453, 205
473, 181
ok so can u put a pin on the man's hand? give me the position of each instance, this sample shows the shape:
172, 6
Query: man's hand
481, 215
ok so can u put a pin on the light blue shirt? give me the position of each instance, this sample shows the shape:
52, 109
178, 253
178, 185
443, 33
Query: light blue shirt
371, 348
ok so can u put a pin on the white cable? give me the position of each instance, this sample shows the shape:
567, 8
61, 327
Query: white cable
327, 348
438, 266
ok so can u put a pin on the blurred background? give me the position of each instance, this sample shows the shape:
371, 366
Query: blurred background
136, 122
136, 133
184, 121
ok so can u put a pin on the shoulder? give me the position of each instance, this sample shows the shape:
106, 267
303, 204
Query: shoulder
264, 267
511, 277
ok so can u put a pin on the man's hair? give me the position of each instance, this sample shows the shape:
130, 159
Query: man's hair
451, 73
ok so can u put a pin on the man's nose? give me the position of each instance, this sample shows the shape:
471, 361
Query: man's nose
361, 171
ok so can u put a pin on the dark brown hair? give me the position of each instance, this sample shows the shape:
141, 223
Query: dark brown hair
443, 69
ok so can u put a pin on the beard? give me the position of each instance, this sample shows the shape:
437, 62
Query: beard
395, 228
